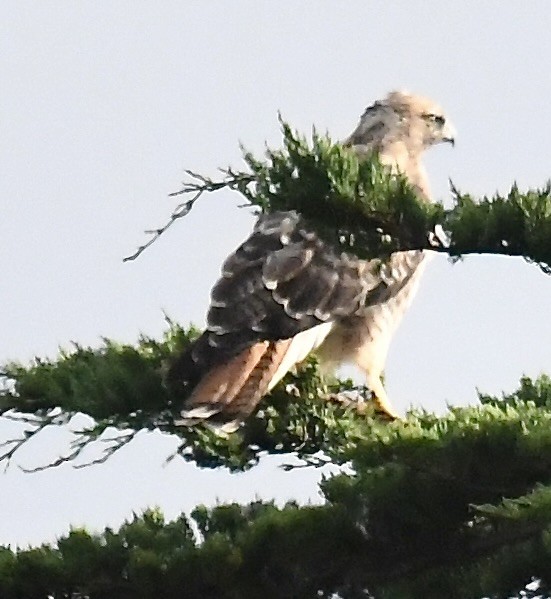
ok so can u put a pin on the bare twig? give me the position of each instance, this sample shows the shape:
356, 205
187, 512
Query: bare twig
231, 180
117, 443
181, 210
79, 445
182, 450
28, 434
22, 418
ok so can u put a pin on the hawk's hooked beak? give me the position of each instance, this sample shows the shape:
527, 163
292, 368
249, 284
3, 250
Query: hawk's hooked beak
449, 133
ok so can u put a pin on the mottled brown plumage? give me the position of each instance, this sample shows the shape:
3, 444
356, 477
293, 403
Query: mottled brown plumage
285, 293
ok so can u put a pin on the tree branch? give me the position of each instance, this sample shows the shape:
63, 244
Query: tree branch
359, 205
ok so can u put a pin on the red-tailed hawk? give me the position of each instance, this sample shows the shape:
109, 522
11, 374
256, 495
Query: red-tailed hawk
285, 293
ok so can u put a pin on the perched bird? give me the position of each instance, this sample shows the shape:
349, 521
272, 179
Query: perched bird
285, 293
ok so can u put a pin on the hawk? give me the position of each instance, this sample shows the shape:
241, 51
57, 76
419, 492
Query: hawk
285, 293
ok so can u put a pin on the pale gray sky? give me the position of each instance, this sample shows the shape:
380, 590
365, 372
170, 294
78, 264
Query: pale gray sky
103, 105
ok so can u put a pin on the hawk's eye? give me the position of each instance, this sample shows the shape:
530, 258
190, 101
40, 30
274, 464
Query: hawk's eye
435, 118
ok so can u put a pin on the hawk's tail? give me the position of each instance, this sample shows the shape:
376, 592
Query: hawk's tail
227, 393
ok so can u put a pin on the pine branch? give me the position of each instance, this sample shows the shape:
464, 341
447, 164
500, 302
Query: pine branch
425, 502
121, 386
377, 213
244, 550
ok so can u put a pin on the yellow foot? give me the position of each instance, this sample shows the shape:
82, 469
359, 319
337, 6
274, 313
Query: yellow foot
383, 407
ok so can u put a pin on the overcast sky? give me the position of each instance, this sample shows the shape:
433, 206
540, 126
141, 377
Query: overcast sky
104, 104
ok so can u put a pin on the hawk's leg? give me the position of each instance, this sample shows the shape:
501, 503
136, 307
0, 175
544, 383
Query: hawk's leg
380, 398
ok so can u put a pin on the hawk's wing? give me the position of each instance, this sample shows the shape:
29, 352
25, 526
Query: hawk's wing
279, 295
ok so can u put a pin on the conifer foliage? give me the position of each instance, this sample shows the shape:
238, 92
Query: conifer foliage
451, 506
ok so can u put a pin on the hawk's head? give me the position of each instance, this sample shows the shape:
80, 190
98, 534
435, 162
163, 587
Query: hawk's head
415, 121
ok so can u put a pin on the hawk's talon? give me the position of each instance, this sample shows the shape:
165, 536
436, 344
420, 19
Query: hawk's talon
362, 404
383, 408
